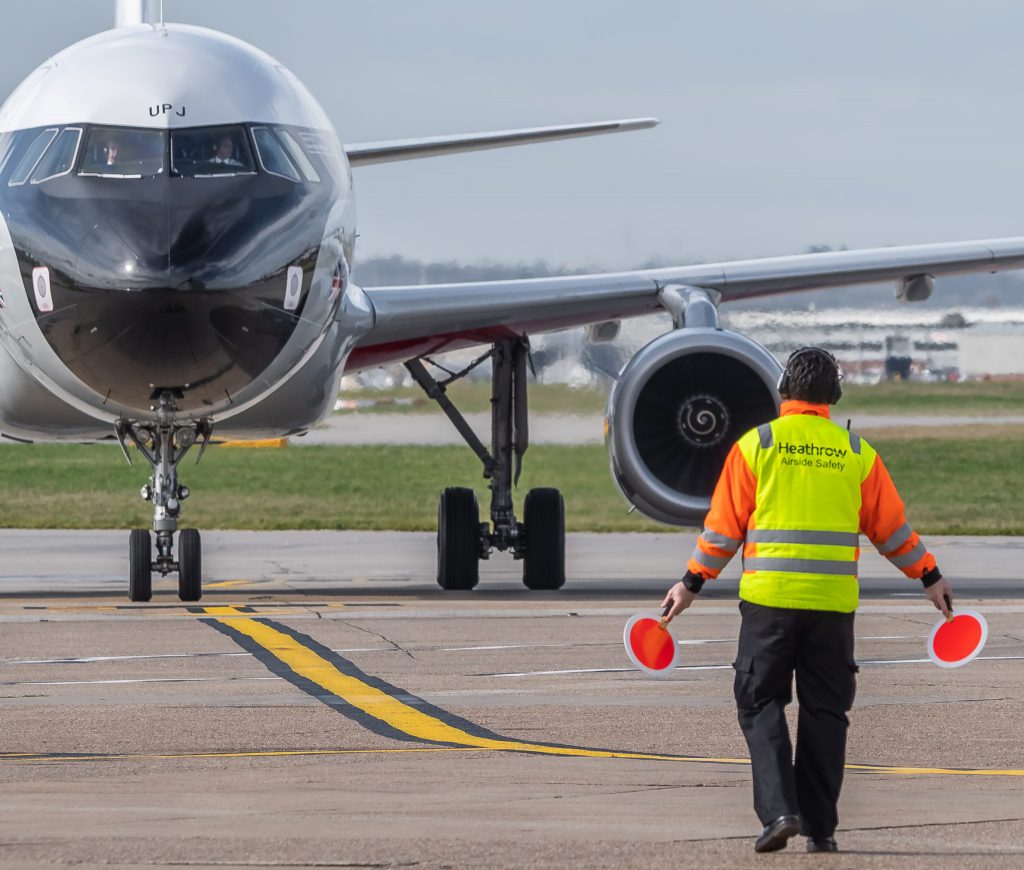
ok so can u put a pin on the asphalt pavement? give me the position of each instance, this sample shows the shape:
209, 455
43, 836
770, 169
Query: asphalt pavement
326, 704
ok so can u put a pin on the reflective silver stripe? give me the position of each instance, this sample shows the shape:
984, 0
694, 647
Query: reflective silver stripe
764, 432
715, 563
897, 539
803, 566
720, 541
782, 536
854, 442
908, 559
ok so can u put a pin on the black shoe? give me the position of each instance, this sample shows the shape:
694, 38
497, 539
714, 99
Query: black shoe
775, 835
822, 844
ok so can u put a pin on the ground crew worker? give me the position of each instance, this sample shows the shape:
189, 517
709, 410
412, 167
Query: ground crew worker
795, 493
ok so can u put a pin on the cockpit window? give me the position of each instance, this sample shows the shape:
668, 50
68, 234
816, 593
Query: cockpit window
210, 152
6, 150
117, 152
298, 156
274, 158
60, 158
31, 157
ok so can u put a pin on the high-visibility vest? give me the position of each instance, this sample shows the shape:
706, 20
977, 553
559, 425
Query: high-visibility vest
802, 539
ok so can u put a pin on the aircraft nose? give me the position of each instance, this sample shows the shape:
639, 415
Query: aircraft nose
126, 248
177, 298
190, 286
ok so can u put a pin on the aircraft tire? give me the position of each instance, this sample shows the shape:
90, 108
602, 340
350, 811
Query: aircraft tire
458, 539
544, 521
140, 565
190, 565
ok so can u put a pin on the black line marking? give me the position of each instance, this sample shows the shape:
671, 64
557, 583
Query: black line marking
375, 725
280, 669
349, 669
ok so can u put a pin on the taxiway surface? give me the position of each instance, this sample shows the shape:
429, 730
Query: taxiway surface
435, 428
327, 705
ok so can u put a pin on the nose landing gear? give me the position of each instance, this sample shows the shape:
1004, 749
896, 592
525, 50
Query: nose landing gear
164, 445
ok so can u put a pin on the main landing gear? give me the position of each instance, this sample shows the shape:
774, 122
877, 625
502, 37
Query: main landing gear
462, 540
164, 445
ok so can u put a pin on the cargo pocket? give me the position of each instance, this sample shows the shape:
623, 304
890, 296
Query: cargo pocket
854, 670
744, 685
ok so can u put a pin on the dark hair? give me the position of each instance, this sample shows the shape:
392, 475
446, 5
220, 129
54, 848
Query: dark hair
812, 375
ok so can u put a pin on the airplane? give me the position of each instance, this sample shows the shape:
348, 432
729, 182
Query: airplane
176, 260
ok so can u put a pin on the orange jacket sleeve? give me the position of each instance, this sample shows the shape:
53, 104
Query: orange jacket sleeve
725, 526
883, 520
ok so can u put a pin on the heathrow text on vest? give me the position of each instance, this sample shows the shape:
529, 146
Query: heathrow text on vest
805, 452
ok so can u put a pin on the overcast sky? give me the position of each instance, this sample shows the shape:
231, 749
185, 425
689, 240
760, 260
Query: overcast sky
784, 124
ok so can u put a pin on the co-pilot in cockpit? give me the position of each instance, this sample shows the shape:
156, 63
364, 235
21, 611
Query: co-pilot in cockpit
118, 152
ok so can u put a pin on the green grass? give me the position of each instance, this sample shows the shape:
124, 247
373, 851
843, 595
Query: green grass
475, 396
952, 486
913, 397
899, 397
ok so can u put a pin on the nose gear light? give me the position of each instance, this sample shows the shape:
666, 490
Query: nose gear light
293, 288
41, 288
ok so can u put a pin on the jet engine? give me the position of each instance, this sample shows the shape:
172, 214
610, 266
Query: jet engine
677, 409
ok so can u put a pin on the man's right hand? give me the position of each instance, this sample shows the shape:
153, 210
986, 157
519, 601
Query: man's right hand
938, 594
677, 599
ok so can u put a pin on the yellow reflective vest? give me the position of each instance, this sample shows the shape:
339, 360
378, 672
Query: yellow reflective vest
802, 539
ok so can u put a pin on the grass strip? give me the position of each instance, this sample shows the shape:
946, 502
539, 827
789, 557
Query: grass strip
952, 486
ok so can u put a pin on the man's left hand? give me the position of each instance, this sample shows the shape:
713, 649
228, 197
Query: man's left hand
677, 599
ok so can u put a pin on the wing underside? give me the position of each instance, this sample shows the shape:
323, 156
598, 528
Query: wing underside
413, 320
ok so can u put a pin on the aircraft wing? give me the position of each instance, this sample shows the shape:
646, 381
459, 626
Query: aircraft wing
412, 149
413, 320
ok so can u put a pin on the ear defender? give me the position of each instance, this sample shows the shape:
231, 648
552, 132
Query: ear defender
783, 384
837, 388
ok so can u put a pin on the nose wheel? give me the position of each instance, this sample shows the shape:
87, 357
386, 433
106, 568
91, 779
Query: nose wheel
190, 565
140, 566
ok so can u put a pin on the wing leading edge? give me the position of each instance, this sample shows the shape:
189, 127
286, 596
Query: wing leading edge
436, 146
418, 319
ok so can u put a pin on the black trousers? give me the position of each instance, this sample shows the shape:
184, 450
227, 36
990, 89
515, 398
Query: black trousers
817, 646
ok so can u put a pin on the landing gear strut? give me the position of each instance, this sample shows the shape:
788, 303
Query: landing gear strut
164, 445
462, 540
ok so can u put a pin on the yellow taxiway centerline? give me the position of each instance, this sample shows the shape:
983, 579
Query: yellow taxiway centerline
225, 610
388, 709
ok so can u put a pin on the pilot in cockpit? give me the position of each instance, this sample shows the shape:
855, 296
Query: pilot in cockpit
225, 152
110, 153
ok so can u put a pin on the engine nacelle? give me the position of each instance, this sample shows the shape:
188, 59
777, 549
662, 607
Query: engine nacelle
677, 409
916, 288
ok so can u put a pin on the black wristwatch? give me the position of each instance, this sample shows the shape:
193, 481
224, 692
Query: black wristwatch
931, 577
